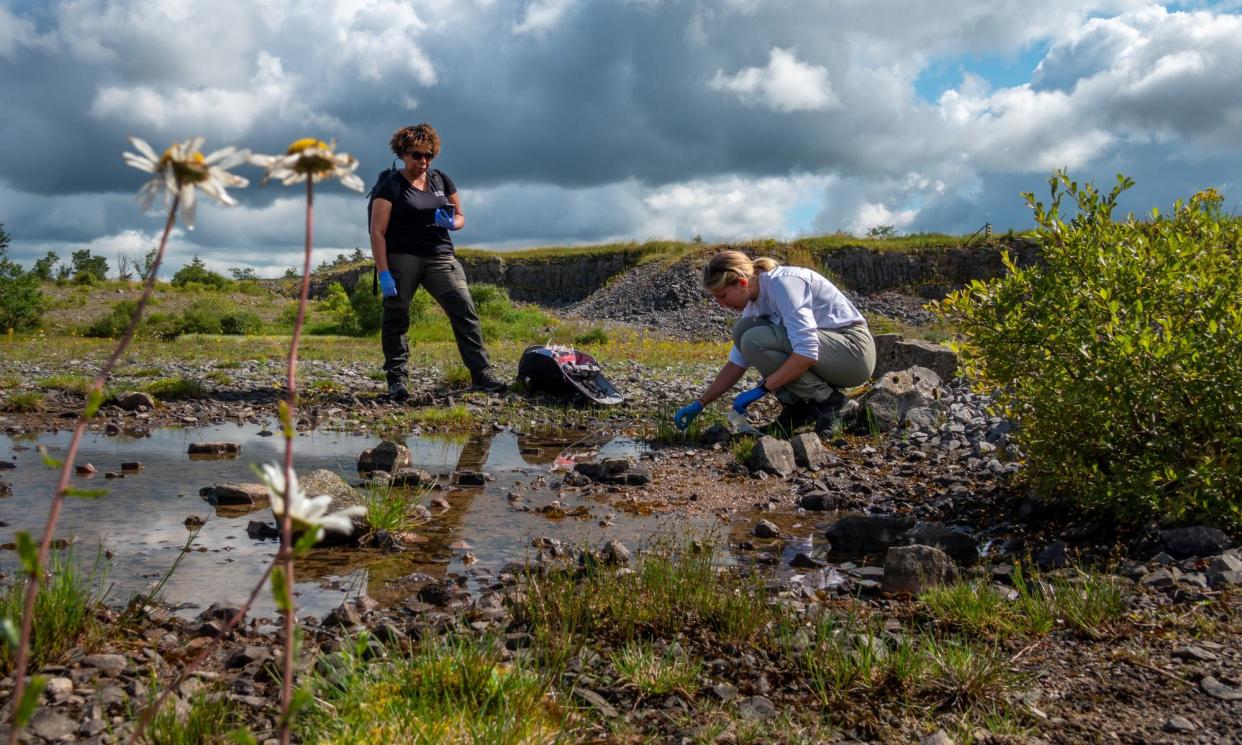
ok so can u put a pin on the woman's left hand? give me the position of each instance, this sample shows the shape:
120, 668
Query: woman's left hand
444, 218
749, 397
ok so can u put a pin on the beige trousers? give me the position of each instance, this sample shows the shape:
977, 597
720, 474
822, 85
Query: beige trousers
846, 357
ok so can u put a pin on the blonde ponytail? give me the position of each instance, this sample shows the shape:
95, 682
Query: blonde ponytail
728, 267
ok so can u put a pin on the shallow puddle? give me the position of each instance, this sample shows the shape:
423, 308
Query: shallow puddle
141, 521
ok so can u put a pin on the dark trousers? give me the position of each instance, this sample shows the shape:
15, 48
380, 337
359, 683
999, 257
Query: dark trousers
444, 280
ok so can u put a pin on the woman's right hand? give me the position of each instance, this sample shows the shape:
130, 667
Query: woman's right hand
686, 414
388, 285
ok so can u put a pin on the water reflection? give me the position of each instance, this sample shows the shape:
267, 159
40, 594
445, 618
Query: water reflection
142, 519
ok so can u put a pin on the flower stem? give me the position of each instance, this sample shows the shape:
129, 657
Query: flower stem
58, 498
286, 521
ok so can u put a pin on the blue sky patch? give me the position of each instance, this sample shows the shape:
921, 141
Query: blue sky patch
1000, 70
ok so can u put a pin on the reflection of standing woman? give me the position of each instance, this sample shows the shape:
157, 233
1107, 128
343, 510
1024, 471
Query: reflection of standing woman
412, 213
805, 336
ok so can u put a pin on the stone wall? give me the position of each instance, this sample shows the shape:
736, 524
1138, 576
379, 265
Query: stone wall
560, 280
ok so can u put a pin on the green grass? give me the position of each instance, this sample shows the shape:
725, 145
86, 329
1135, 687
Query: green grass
446, 691
671, 586
656, 673
457, 376
9, 381
79, 384
1083, 602
64, 608
141, 372
219, 377
743, 449
210, 720
443, 417
24, 401
595, 336
390, 509
175, 389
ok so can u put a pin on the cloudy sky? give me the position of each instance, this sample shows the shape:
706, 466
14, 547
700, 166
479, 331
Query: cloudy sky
584, 121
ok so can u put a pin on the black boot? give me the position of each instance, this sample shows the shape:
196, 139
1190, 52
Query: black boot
397, 392
486, 382
827, 413
792, 416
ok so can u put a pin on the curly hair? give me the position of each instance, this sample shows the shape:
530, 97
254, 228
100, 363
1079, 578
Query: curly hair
728, 267
420, 137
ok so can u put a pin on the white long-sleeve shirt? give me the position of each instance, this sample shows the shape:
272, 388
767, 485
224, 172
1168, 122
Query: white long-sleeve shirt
802, 301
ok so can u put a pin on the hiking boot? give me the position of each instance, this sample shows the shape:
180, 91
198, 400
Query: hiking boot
487, 383
398, 393
829, 412
792, 416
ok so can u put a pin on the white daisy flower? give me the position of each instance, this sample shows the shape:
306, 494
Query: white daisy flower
310, 157
183, 169
307, 512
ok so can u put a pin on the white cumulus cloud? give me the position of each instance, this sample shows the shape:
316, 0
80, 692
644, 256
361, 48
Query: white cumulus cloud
785, 84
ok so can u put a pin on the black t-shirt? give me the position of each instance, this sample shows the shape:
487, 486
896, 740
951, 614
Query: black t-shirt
412, 226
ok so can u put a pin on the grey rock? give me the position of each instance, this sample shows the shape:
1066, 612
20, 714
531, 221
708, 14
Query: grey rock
596, 701
1196, 540
771, 455
386, 456
322, 481
893, 353
408, 477
344, 616
235, 494
766, 529
245, 655
111, 665
1218, 690
865, 534
1053, 556
214, 448
135, 400
468, 478
912, 569
821, 501
1225, 579
1191, 652
809, 450
803, 561
756, 708
51, 725
1225, 563
112, 698
725, 692
6, 489
58, 689
1161, 579
1178, 723
895, 393
939, 737
615, 552
962, 548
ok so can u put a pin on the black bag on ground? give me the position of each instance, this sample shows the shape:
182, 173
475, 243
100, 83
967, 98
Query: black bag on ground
566, 371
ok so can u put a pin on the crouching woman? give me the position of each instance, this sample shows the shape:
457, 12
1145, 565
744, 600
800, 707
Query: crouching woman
805, 336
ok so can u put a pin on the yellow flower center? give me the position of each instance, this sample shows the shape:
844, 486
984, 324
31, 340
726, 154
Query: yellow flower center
319, 160
189, 170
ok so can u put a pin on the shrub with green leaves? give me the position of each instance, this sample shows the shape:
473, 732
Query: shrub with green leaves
21, 299
196, 275
490, 300
1120, 354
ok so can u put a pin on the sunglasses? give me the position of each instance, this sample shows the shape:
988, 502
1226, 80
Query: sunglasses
421, 156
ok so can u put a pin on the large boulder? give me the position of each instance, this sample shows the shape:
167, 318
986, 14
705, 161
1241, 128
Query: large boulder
621, 471
773, 456
1196, 540
235, 494
386, 456
894, 353
867, 534
912, 569
215, 449
962, 548
136, 401
809, 450
896, 393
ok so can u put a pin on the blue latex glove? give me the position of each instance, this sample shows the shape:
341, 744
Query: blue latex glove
444, 218
686, 414
388, 285
749, 397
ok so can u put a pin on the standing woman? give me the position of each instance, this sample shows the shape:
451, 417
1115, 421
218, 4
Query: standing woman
412, 212
805, 336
